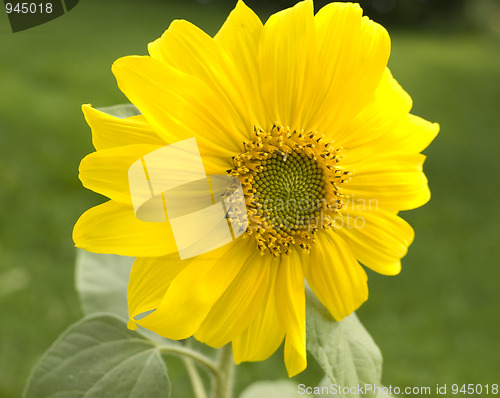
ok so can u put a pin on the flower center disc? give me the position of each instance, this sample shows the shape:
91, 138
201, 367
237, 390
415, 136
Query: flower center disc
289, 190
291, 184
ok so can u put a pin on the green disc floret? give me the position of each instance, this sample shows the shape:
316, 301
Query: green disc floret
288, 189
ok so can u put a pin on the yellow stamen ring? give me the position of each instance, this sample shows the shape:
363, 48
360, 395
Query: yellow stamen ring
291, 184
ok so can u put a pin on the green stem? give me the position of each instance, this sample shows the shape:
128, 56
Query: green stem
197, 383
189, 353
223, 381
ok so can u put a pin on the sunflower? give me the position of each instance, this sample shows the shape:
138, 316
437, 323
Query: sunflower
301, 110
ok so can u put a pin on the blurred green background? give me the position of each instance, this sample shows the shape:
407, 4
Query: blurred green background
437, 322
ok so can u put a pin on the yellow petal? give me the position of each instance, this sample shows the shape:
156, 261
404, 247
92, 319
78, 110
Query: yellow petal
335, 276
178, 105
295, 360
384, 126
414, 134
265, 333
387, 109
109, 131
394, 181
188, 49
149, 280
286, 61
106, 171
239, 304
352, 56
239, 37
291, 304
378, 238
196, 289
113, 228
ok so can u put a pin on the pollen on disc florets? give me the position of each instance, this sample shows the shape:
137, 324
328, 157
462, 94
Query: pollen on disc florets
291, 181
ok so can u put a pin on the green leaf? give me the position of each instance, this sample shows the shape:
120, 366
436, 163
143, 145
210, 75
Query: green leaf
274, 389
344, 350
101, 282
121, 111
99, 357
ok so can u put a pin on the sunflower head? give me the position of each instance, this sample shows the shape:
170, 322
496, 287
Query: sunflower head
303, 111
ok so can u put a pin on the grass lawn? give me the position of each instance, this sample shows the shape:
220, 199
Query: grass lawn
437, 322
